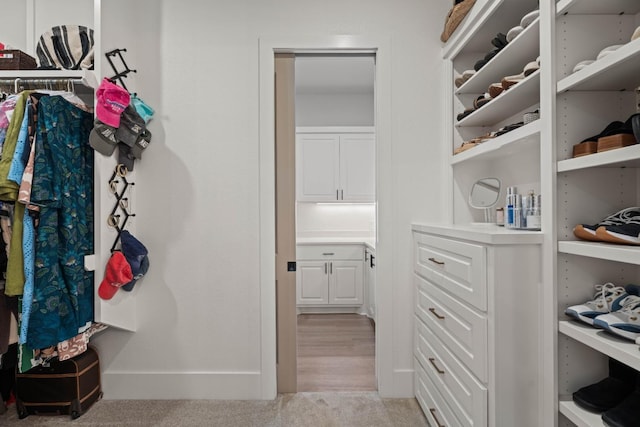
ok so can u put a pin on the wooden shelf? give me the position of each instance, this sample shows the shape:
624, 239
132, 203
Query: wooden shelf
607, 251
598, 7
502, 146
580, 417
616, 71
520, 96
628, 157
509, 61
621, 349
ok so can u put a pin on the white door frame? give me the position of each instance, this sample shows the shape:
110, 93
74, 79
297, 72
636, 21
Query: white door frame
384, 199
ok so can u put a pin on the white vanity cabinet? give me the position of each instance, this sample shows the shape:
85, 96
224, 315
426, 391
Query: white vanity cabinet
476, 326
329, 276
335, 164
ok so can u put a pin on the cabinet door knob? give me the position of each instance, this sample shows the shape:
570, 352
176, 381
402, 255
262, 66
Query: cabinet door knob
433, 311
435, 261
433, 363
433, 414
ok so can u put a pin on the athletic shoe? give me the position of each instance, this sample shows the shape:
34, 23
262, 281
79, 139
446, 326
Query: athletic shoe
627, 234
588, 232
624, 322
606, 299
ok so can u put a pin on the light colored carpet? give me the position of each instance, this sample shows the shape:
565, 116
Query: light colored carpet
365, 409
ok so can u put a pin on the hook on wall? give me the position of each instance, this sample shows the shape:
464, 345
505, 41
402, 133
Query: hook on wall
118, 185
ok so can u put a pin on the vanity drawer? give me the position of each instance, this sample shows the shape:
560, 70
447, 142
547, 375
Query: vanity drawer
433, 404
458, 267
328, 252
460, 328
464, 394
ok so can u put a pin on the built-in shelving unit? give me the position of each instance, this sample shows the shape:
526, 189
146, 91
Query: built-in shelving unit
579, 416
518, 97
502, 146
521, 50
592, 184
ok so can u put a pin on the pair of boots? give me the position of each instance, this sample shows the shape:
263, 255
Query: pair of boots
617, 396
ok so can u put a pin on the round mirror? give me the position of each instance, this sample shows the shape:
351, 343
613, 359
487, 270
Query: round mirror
484, 195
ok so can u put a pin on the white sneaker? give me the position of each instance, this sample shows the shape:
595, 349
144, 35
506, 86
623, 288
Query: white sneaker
606, 299
624, 322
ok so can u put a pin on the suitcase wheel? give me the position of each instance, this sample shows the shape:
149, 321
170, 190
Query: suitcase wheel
75, 410
22, 410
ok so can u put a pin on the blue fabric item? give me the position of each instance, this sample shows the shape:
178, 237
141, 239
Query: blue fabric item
17, 167
63, 188
142, 108
28, 248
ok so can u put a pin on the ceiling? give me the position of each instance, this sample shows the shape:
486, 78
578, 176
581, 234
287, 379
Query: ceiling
331, 74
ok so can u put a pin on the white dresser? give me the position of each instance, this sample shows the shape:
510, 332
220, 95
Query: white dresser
476, 339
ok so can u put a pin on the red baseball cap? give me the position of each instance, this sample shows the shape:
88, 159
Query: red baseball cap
117, 274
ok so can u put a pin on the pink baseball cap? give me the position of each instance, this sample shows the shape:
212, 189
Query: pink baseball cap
112, 100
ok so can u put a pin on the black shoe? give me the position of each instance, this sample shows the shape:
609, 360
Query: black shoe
633, 123
609, 392
626, 414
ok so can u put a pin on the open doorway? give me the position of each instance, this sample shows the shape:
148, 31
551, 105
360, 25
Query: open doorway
335, 304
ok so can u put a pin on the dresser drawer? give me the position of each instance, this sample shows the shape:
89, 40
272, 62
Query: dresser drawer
457, 267
464, 394
433, 404
329, 252
461, 329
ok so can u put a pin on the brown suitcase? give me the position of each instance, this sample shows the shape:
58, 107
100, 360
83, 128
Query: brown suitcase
64, 387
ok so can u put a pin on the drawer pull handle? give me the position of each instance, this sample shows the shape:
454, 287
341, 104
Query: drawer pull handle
325, 268
436, 261
433, 363
328, 253
433, 311
433, 414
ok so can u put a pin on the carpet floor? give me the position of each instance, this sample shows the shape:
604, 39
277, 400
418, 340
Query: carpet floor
310, 409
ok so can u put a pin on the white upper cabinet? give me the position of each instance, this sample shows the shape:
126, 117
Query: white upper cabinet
335, 167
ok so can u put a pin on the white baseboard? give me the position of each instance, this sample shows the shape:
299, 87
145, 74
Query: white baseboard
402, 385
182, 385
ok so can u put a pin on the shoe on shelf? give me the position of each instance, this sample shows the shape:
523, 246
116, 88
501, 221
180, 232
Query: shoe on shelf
625, 414
614, 128
624, 322
531, 67
580, 65
606, 299
588, 232
607, 50
514, 32
529, 18
626, 234
608, 392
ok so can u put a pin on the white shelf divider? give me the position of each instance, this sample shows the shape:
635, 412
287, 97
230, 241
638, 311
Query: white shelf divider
580, 417
623, 350
502, 146
621, 157
518, 97
606, 251
616, 71
598, 7
509, 61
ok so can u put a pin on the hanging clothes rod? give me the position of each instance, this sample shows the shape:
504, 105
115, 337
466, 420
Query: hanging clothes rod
36, 81
20, 84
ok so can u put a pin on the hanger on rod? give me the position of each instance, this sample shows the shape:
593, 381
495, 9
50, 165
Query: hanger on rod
21, 83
